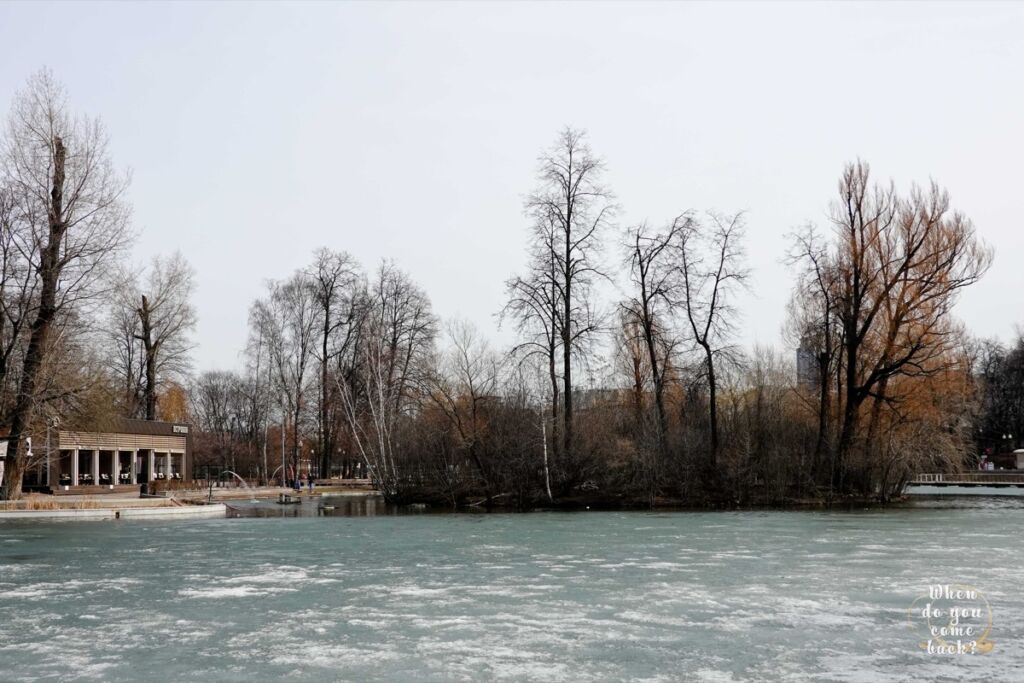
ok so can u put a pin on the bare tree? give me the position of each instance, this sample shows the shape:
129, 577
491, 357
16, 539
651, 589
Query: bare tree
631, 357
214, 407
18, 281
152, 326
464, 382
814, 326
126, 358
648, 309
286, 321
337, 285
534, 305
709, 265
260, 390
398, 336
70, 198
570, 209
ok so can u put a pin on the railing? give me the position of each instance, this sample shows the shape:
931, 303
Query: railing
970, 478
344, 482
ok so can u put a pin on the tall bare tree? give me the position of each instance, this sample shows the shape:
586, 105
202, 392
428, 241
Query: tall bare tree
710, 266
463, 383
75, 221
814, 326
534, 306
571, 209
398, 336
18, 282
216, 404
286, 321
152, 329
125, 357
337, 287
648, 309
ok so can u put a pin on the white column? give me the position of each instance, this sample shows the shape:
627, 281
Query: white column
74, 467
167, 466
132, 466
95, 466
115, 467
150, 465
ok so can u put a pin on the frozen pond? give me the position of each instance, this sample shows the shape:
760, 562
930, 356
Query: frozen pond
369, 595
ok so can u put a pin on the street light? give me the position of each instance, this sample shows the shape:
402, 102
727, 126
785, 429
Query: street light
52, 422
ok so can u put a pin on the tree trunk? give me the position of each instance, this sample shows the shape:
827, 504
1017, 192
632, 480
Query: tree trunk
824, 410
872, 445
151, 351
638, 395
295, 439
49, 273
326, 428
567, 433
567, 392
659, 384
851, 412
475, 456
712, 408
547, 473
556, 444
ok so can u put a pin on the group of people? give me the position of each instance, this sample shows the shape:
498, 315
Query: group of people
304, 480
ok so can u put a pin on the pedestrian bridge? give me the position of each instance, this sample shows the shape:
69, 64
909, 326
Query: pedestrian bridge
988, 479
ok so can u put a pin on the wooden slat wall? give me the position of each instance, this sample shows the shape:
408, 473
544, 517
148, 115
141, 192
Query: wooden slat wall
125, 442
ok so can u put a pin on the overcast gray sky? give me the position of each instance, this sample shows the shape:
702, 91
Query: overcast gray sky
258, 132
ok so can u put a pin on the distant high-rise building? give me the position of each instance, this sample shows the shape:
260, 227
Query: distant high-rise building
807, 374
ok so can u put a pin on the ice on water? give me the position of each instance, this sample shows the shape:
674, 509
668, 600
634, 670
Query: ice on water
733, 596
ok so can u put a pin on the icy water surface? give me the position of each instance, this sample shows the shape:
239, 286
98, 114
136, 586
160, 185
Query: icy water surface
589, 596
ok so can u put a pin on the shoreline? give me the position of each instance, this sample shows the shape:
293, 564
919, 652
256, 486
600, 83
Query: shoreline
184, 504
216, 510
195, 505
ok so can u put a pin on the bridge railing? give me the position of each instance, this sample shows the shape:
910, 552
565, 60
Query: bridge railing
970, 477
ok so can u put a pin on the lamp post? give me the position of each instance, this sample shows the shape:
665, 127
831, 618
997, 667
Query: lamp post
266, 437
51, 422
284, 469
48, 452
231, 442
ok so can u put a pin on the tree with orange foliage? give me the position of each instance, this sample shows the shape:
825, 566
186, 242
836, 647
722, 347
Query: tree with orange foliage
901, 261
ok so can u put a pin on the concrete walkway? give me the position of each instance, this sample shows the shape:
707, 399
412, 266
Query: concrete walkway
180, 504
269, 492
109, 513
